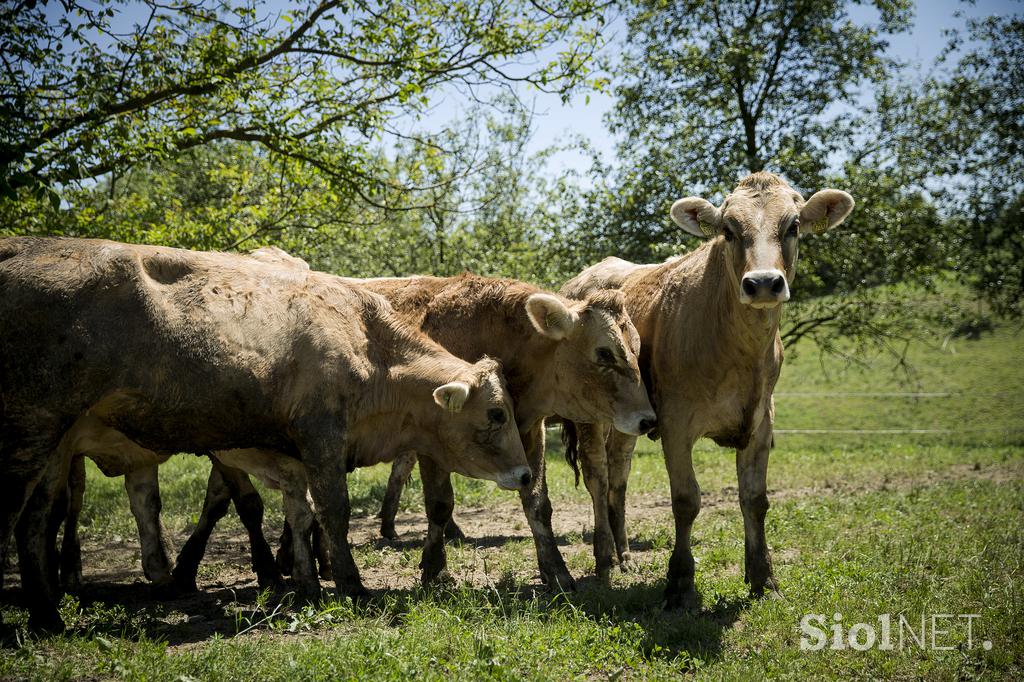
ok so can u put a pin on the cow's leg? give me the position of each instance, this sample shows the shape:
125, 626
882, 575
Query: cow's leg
215, 507
284, 549
58, 513
23, 461
249, 506
326, 470
537, 507
681, 591
71, 546
401, 469
594, 461
439, 499
144, 499
752, 472
620, 459
36, 547
321, 553
300, 518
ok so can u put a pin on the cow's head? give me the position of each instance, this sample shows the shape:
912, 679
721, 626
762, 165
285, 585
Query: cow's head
477, 429
596, 374
760, 223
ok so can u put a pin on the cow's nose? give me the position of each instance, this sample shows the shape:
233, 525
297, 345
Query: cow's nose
648, 424
519, 477
749, 286
764, 286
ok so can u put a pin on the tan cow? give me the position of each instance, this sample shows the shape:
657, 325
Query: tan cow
189, 351
576, 359
711, 354
572, 358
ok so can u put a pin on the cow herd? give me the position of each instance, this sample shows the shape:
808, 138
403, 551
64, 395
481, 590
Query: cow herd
128, 354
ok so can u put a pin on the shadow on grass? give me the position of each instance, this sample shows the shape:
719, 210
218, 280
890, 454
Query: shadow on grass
667, 633
138, 611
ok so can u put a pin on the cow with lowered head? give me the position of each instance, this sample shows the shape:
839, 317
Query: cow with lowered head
710, 354
572, 358
190, 351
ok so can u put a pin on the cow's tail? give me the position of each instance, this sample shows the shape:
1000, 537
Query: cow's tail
571, 440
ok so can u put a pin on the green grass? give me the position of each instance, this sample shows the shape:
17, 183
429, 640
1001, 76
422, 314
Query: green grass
861, 524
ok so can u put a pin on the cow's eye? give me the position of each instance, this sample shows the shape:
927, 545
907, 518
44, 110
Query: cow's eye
793, 229
496, 415
728, 234
605, 356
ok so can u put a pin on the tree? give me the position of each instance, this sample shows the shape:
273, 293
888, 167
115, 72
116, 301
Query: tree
493, 221
978, 155
235, 195
712, 90
92, 89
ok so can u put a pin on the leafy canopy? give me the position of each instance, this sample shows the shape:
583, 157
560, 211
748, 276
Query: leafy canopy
93, 88
715, 89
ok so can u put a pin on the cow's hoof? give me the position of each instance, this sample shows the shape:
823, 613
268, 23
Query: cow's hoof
441, 578
184, 584
273, 583
164, 588
308, 594
9, 636
604, 576
389, 533
354, 591
46, 622
454, 534
769, 590
688, 601
559, 581
433, 575
326, 573
72, 583
626, 563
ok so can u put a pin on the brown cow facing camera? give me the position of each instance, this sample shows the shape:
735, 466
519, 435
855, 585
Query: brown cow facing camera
710, 354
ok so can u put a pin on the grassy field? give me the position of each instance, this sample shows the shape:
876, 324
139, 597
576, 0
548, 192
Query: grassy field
919, 519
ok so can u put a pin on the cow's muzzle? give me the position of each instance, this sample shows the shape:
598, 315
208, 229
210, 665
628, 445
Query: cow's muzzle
519, 477
764, 288
637, 424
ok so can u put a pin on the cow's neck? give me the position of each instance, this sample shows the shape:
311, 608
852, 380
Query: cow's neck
737, 329
530, 372
397, 413
524, 354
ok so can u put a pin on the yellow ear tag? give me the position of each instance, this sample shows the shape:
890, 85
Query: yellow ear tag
706, 228
821, 225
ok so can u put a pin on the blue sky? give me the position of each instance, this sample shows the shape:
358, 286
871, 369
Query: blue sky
555, 122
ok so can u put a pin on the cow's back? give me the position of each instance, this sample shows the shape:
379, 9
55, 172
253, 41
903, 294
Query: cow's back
470, 315
155, 337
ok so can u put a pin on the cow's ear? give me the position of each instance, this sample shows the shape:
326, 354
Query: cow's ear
697, 216
825, 210
276, 256
452, 396
550, 316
